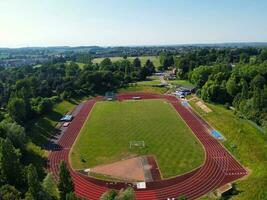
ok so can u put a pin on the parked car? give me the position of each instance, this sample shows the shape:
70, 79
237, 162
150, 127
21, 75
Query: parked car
66, 124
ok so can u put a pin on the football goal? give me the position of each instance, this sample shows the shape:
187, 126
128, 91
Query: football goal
138, 144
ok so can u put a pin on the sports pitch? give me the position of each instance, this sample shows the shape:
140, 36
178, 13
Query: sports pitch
111, 127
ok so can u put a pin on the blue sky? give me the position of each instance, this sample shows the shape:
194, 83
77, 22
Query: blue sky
130, 22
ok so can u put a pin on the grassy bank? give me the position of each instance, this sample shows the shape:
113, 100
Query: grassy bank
43, 128
40, 130
247, 144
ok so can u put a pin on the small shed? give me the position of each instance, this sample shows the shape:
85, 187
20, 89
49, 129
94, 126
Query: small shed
110, 96
141, 185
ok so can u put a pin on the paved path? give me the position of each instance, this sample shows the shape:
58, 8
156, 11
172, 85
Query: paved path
219, 167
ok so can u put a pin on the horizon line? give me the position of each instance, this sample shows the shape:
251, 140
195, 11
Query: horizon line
137, 45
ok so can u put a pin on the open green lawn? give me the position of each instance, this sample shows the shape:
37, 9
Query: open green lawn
247, 144
180, 82
143, 59
111, 126
81, 65
145, 86
150, 81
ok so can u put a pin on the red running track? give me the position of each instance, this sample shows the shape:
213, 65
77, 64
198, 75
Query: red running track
219, 167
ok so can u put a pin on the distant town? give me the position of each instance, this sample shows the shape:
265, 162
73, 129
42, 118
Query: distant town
35, 56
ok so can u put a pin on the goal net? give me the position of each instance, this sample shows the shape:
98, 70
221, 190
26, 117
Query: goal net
138, 144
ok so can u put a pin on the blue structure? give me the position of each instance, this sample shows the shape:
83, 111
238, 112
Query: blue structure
185, 103
216, 134
67, 118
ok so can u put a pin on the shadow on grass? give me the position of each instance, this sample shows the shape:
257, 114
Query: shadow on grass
52, 146
54, 116
42, 129
231, 193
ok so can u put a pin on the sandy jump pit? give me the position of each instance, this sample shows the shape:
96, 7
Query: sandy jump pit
203, 107
133, 169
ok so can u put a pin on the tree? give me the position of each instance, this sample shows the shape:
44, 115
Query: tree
258, 82
72, 196
258, 99
263, 55
109, 195
34, 186
181, 197
8, 192
150, 67
72, 69
127, 194
10, 168
45, 105
137, 63
147, 70
244, 58
183, 66
17, 109
50, 186
1, 92
166, 60
23, 88
106, 64
214, 92
244, 90
14, 132
65, 184
200, 75
232, 87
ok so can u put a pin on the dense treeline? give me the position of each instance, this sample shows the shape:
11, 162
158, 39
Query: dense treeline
35, 90
234, 77
28, 92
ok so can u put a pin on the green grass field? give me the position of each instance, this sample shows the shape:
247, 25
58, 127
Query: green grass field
143, 59
111, 126
145, 86
180, 82
247, 144
152, 80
